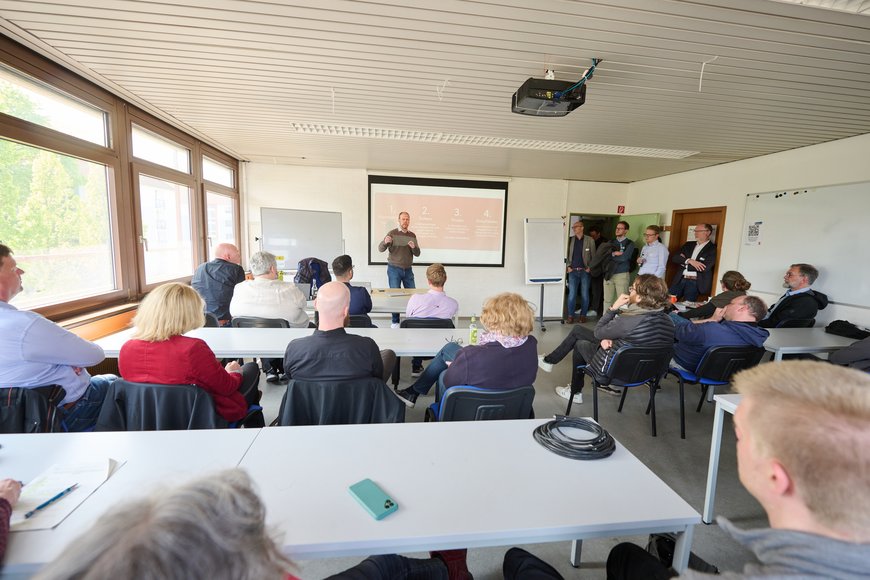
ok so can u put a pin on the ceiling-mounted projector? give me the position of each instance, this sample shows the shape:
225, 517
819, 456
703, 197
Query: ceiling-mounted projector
546, 98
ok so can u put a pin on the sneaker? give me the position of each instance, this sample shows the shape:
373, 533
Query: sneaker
283, 378
416, 371
271, 377
565, 392
592, 314
408, 397
544, 365
394, 325
609, 390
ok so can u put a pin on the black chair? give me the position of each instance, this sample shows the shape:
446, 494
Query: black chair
32, 410
797, 323
465, 403
132, 406
715, 368
361, 321
211, 321
258, 322
420, 323
630, 366
348, 402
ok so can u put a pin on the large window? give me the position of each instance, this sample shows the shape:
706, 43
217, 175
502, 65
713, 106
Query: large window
56, 218
101, 201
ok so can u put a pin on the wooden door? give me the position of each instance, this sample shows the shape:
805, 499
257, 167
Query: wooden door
681, 220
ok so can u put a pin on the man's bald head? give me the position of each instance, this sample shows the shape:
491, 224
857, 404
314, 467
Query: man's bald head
332, 304
228, 252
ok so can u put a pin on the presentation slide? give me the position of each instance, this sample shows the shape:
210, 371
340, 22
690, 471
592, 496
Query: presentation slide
458, 223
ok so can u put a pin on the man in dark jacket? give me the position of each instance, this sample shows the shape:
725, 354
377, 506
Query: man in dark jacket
800, 302
216, 280
734, 325
696, 260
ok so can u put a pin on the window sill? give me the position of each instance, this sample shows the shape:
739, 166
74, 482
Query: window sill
101, 323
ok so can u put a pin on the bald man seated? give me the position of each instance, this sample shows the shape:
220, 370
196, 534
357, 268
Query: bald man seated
331, 354
216, 280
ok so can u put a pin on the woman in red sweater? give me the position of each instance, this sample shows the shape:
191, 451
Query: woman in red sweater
158, 353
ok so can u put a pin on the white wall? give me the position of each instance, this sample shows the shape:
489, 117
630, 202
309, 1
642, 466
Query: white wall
842, 161
346, 191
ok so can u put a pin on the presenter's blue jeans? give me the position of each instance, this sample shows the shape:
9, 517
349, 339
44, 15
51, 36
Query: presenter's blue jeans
578, 279
397, 277
438, 365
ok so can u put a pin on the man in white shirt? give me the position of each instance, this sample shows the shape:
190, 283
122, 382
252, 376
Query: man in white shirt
697, 261
268, 297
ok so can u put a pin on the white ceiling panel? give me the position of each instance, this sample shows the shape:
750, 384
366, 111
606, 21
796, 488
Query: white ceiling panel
241, 73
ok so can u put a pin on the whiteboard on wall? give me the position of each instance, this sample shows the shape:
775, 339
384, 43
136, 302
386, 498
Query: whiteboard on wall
294, 234
822, 226
545, 250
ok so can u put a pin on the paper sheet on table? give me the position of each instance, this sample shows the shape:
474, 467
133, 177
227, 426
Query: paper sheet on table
88, 475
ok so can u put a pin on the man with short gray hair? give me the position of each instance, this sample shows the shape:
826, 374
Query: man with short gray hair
268, 297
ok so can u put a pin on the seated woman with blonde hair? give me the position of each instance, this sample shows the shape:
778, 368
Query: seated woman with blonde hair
159, 353
504, 357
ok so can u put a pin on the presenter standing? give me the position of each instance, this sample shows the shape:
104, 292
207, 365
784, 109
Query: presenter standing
402, 245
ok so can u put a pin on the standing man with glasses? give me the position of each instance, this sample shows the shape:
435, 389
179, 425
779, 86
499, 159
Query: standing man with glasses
696, 260
402, 245
617, 283
580, 251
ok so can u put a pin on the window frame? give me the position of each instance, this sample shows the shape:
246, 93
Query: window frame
122, 173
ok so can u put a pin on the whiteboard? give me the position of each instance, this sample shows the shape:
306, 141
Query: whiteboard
822, 226
545, 250
294, 234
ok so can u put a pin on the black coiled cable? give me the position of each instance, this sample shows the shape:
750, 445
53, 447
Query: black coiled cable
600, 445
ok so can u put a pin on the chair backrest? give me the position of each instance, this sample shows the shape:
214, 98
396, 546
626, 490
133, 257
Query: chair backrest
464, 403
634, 365
132, 406
211, 321
797, 323
427, 323
360, 321
31, 410
257, 322
719, 363
349, 402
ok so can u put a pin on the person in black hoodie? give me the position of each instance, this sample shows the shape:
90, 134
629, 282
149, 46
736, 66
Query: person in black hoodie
800, 302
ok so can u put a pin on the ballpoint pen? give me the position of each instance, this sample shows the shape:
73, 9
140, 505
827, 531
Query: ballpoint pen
48, 502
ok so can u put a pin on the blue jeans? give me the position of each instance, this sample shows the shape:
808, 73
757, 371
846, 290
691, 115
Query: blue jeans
83, 415
581, 279
438, 365
397, 277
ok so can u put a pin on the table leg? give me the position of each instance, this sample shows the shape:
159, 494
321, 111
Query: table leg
713, 468
777, 355
682, 549
576, 548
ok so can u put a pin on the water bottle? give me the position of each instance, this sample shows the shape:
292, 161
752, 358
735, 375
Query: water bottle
472, 331
281, 275
313, 288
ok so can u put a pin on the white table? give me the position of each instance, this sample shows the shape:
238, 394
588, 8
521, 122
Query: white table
458, 485
272, 342
153, 459
803, 341
724, 404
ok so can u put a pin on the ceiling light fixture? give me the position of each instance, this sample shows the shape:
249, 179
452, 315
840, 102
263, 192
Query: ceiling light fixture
485, 141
